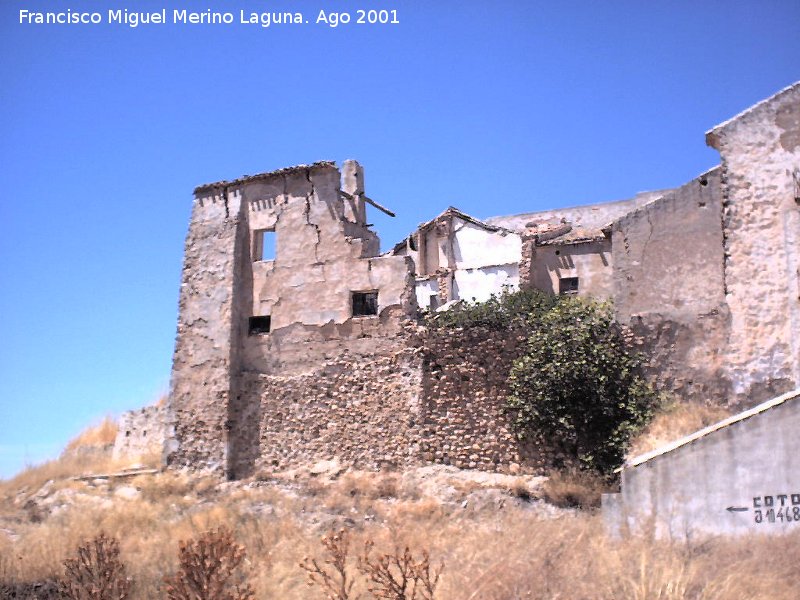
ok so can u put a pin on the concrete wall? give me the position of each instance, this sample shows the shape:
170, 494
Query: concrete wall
760, 152
669, 287
739, 476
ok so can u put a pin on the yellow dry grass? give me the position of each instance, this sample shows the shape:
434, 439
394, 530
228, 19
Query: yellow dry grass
506, 554
674, 422
101, 434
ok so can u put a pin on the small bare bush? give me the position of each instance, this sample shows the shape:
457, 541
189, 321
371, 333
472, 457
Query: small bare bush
333, 576
96, 573
399, 576
208, 569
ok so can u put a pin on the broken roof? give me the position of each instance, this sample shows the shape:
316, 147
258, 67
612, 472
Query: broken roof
267, 175
560, 232
763, 407
451, 211
575, 235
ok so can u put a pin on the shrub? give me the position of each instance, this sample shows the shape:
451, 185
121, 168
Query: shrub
398, 575
333, 577
208, 568
577, 386
96, 573
394, 576
509, 308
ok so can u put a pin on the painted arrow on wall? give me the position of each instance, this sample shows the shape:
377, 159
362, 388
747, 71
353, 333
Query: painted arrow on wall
737, 509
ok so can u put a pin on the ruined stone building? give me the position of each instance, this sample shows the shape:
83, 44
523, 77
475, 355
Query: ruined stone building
297, 339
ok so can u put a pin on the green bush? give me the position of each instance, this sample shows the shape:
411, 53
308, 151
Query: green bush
502, 311
577, 386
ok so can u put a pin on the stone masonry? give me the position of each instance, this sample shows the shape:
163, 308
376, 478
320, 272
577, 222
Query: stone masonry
298, 341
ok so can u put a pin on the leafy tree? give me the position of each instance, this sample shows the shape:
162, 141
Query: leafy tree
576, 385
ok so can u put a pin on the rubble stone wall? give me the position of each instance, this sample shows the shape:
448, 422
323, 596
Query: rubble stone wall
465, 374
431, 397
365, 412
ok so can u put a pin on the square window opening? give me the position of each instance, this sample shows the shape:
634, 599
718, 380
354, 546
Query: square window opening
257, 325
263, 244
568, 286
433, 301
365, 303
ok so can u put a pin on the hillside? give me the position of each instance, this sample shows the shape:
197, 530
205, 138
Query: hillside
498, 537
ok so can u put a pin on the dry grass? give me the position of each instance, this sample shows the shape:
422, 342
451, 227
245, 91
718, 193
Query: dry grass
505, 554
675, 422
102, 434
575, 489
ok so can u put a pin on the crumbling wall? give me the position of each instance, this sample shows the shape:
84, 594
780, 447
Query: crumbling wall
141, 432
669, 287
457, 257
486, 262
590, 216
321, 257
427, 397
590, 262
324, 253
209, 328
760, 152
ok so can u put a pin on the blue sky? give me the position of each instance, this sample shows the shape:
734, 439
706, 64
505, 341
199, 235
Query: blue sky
495, 107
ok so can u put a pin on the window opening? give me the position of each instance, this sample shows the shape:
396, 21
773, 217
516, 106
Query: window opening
259, 324
568, 286
263, 244
365, 303
434, 301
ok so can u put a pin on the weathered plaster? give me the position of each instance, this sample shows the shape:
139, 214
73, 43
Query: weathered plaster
590, 262
705, 278
469, 259
669, 287
762, 244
